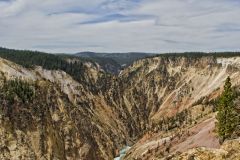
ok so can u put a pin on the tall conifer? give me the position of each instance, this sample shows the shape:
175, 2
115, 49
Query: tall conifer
227, 116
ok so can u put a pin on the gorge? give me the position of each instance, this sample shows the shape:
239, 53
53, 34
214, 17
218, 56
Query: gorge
160, 106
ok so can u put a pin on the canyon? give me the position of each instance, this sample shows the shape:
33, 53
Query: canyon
161, 106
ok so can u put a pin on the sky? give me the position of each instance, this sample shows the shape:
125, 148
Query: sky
156, 26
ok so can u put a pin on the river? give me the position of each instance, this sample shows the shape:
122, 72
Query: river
122, 153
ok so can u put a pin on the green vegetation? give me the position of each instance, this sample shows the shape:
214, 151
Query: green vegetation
18, 89
227, 116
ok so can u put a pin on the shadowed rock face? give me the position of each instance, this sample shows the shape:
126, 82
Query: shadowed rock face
65, 119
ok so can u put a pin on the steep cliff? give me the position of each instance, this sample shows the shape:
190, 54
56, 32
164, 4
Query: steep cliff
62, 119
184, 89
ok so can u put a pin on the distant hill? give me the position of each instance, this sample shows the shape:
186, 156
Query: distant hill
113, 62
109, 62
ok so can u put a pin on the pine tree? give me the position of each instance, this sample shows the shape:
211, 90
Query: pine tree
227, 116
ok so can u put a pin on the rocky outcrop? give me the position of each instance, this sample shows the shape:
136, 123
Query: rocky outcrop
229, 150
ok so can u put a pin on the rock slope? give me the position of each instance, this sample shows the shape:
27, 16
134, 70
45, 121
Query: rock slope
229, 150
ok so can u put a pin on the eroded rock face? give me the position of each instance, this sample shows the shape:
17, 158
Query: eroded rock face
229, 150
63, 120
96, 117
166, 85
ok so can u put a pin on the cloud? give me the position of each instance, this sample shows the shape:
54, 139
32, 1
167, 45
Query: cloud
120, 25
118, 17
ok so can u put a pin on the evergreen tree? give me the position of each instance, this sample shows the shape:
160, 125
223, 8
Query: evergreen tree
227, 116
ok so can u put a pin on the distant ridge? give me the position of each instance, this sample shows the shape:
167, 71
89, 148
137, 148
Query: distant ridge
114, 62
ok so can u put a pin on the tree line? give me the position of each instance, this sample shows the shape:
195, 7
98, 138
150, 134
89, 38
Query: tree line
72, 65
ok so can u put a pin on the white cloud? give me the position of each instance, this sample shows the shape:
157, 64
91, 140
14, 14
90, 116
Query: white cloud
165, 26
